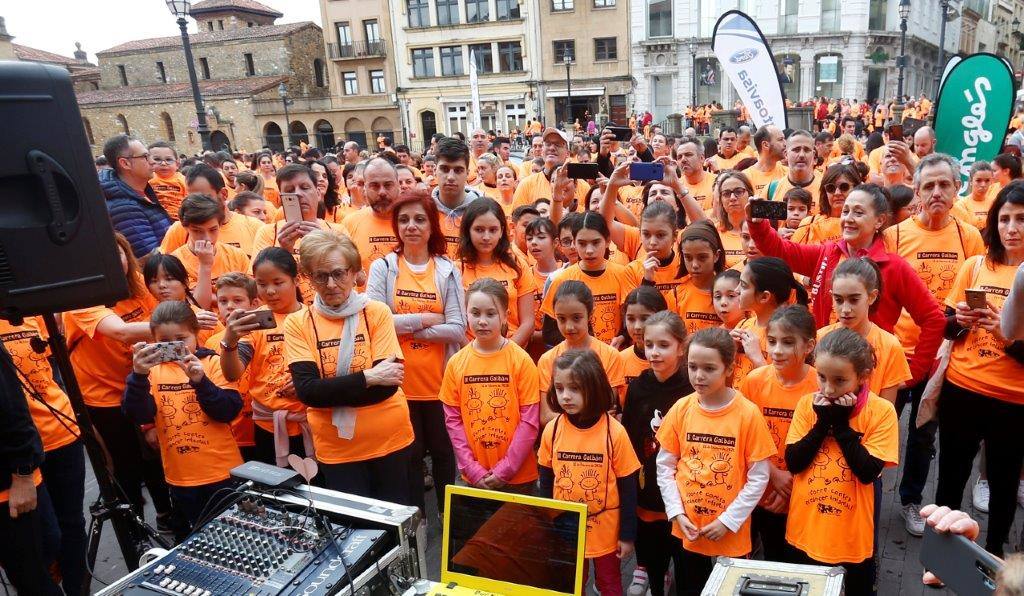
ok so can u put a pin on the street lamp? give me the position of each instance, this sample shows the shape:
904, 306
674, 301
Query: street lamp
944, 17
181, 9
904, 15
567, 59
282, 90
693, 74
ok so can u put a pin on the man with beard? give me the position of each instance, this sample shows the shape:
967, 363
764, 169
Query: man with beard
801, 174
690, 158
451, 195
771, 150
370, 227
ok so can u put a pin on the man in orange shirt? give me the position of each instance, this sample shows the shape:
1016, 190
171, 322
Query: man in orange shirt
370, 227
924, 141
168, 184
801, 174
229, 169
743, 138
849, 127
350, 153
690, 158
478, 145
538, 186
771, 147
727, 156
451, 194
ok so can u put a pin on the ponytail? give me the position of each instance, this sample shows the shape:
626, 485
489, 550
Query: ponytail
773, 275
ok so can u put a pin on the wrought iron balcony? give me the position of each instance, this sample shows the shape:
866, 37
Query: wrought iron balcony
357, 49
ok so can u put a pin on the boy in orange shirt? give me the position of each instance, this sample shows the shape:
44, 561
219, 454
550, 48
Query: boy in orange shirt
191, 405
168, 184
206, 258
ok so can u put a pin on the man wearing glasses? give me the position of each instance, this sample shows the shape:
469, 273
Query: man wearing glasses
134, 208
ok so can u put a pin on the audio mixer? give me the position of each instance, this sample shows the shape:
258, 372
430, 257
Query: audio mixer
260, 550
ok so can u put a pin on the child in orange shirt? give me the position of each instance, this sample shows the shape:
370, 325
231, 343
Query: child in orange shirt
168, 184
585, 457
541, 243
712, 466
206, 258
573, 305
841, 438
703, 257
167, 281
250, 204
489, 392
798, 206
640, 304
725, 297
776, 389
648, 398
192, 406
856, 285
765, 284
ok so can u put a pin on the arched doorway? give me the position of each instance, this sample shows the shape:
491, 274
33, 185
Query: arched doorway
219, 141
382, 127
428, 124
324, 134
122, 122
272, 136
298, 133
165, 118
355, 131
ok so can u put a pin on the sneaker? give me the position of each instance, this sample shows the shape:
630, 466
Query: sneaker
638, 587
912, 517
979, 496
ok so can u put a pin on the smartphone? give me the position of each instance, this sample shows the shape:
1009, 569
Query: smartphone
622, 133
582, 171
762, 209
976, 299
644, 171
265, 318
895, 132
965, 567
290, 204
171, 351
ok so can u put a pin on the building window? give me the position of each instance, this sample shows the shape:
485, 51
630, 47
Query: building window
451, 61
515, 116
788, 12
204, 68
209, 25
707, 16
122, 74
481, 52
605, 48
510, 56
876, 14
168, 126
372, 30
457, 119
419, 13
220, 24
477, 11
249, 24
830, 15
604, 3
423, 62
828, 76
508, 9
377, 82
659, 18
250, 66
447, 12
564, 48
123, 123
561, 5
160, 72
319, 77
344, 33
351, 83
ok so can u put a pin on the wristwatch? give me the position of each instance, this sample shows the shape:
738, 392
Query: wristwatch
228, 348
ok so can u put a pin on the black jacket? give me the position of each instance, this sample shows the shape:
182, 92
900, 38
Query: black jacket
20, 446
644, 397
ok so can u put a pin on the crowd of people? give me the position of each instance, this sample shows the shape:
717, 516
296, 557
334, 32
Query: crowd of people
708, 382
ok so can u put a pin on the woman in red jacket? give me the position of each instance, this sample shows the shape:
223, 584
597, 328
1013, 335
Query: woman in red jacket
861, 222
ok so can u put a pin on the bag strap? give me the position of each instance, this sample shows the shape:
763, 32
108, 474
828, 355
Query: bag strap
772, 187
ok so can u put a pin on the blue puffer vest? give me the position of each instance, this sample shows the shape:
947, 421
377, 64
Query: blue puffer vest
143, 222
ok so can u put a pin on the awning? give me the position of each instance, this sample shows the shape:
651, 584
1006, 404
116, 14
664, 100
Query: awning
581, 92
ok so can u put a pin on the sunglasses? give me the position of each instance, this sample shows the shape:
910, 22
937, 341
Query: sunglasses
843, 187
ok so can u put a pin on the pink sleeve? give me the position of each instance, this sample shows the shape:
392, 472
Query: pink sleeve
468, 465
801, 258
523, 440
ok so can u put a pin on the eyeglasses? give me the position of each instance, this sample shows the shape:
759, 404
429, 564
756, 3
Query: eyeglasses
321, 278
565, 241
739, 193
143, 156
843, 187
167, 160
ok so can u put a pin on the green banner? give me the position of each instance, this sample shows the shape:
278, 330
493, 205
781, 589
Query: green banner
973, 109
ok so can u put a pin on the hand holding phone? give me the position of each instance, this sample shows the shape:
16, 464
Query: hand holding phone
292, 209
763, 209
582, 171
645, 171
622, 133
976, 299
264, 318
895, 132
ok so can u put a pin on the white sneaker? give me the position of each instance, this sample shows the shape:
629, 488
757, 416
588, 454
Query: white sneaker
1020, 493
979, 496
912, 516
638, 587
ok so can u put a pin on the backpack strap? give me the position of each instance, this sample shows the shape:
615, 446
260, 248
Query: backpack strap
772, 187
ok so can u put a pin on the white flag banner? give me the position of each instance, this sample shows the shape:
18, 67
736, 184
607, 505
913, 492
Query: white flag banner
744, 55
474, 90
953, 61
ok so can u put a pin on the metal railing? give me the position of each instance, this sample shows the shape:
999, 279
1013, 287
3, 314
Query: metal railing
357, 49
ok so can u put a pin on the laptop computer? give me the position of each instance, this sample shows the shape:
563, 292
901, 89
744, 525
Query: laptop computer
504, 543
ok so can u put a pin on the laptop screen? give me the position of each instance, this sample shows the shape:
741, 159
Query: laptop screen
524, 541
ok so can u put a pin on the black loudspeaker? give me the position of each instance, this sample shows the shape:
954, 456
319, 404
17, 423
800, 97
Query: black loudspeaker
57, 249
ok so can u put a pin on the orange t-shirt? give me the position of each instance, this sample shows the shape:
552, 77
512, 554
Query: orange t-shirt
268, 373
587, 464
632, 364
372, 235
227, 259
743, 364
489, 390
610, 361
891, 367
34, 370
777, 402
195, 449
238, 231
727, 163
536, 186
715, 451
761, 179
267, 236
516, 284
814, 187
664, 276
703, 191
241, 426
818, 229
632, 197
417, 293
102, 364
380, 428
610, 289
732, 242
978, 361
695, 306
539, 280
831, 513
170, 192
973, 212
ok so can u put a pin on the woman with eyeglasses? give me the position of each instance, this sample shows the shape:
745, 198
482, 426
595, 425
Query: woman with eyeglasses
822, 227
732, 192
346, 364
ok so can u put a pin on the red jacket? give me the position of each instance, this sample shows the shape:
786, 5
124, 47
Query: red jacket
901, 288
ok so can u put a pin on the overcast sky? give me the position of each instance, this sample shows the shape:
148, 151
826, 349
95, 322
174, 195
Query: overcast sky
55, 25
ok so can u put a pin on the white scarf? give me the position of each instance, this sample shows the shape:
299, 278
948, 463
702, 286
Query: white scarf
344, 417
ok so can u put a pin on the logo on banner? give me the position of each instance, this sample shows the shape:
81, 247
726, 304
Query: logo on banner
743, 56
746, 59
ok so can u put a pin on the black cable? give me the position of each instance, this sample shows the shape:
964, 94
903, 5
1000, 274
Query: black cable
30, 390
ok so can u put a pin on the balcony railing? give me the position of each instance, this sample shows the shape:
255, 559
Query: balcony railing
357, 49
